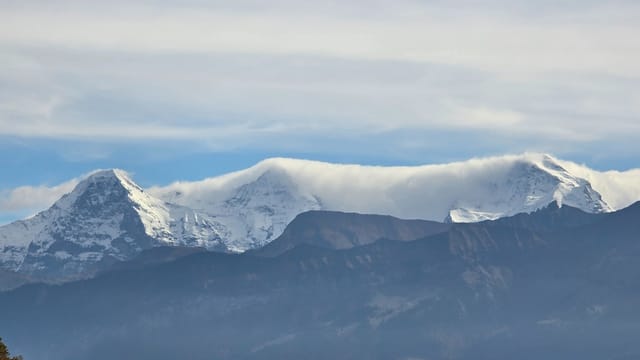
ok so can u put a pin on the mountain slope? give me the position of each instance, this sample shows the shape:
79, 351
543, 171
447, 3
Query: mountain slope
248, 214
528, 287
336, 230
106, 218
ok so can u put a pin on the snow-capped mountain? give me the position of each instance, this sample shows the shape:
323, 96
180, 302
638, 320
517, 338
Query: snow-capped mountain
469, 191
107, 217
527, 187
250, 213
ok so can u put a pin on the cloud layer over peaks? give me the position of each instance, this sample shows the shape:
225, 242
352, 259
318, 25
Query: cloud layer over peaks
427, 191
497, 185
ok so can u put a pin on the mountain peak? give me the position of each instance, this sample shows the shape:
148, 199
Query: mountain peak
115, 176
532, 182
466, 191
107, 217
107, 173
99, 187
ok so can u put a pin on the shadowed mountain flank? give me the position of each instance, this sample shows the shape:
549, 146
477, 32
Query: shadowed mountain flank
337, 230
554, 284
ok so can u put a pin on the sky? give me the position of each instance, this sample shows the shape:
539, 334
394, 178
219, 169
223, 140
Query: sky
181, 90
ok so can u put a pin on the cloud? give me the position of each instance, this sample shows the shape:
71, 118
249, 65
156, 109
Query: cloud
488, 41
484, 117
495, 185
25, 200
547, 77
427, 191
233, 98
620, 188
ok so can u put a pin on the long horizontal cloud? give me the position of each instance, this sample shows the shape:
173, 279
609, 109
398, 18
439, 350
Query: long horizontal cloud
550, 77
31, 199
237, 99
428, 192
432, 34
437, 183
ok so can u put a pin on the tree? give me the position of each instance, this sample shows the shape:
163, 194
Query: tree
4, 353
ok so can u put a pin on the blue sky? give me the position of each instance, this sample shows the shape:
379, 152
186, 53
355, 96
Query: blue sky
174, 90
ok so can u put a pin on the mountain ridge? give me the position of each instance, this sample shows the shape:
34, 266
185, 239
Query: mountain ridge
479, 291
250, 208
340, 230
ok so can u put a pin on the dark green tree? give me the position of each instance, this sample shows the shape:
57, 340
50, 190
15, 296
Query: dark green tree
4, 353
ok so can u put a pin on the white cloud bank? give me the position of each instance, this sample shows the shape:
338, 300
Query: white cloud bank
545, 77
496, 186
524, 40
32, 199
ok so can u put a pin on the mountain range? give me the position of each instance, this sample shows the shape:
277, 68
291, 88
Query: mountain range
556, 283
108, 218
